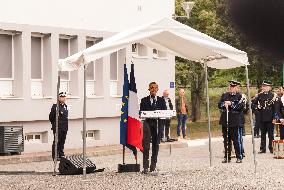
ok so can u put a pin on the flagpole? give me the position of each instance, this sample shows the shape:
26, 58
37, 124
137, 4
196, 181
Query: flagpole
123, 155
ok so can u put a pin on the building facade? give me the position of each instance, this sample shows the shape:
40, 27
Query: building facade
31, 45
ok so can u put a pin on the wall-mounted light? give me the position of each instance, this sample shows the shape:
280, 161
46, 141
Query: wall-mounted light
187, 7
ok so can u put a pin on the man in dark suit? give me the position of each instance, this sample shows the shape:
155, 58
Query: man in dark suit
266, 100
62, 125
150, 128
166, 122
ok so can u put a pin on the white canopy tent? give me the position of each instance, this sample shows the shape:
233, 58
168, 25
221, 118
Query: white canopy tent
188, 43
170, 36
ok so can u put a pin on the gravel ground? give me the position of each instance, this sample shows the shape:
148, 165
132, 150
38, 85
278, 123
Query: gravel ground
185, 168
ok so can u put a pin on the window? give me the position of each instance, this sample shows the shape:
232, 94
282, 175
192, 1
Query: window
113, 73
159, 54
92, 135
6, 64
36, 57
139, 50
135, 48
90, 73
64, 51
36, 65
33, 137
155, 53
113, 66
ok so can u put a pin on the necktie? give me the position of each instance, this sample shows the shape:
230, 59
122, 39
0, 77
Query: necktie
153, 102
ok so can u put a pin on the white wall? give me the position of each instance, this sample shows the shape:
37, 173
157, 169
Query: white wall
106, 15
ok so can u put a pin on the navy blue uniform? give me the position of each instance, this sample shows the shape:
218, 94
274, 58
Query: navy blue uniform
150, 129
265, 104
234, 117
62, 127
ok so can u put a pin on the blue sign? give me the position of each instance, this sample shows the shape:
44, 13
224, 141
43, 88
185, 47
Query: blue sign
172, 84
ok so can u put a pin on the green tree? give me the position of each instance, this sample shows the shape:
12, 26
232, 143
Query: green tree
212, 18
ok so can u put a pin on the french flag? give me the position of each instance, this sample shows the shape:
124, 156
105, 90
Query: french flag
134, 128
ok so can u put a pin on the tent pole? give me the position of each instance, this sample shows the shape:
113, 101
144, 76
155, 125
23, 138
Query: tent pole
56, 123
84, 126
208, 113
251, 121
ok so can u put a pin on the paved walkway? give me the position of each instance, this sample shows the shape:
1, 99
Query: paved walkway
182, 168
91, 152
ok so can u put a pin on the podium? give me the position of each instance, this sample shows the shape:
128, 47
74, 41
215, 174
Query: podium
158, 114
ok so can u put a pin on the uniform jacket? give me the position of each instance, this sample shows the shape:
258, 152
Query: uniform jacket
279, 108
266, 105
235, 110
62, 119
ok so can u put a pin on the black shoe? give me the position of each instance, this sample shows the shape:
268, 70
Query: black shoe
258, 136
152, 168
239, 160
244, 155
226, 161
145, 171
271, 151
262, 152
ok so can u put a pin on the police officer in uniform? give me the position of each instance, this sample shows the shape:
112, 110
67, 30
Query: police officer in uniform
231, 101
150, 128
266, 106
62, 124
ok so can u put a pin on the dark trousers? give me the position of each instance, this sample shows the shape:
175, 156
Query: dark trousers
256, 127
165, 125
235, 136
281, 132
60, 143
266, 127
150, 132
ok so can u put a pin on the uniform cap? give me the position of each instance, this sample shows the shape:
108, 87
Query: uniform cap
266, 83
62, 94
234, 83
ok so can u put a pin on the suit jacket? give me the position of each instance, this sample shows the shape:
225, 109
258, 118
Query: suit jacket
170, 103
145, 104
